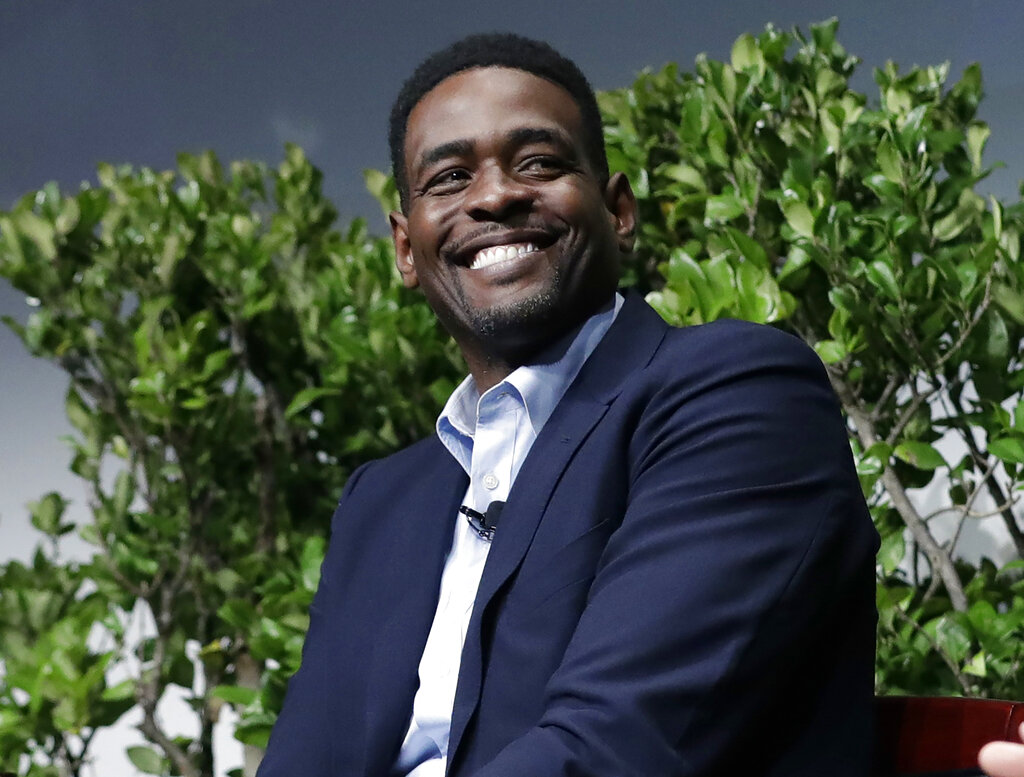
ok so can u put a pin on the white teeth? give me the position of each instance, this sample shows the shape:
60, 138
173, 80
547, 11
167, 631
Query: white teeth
496, 254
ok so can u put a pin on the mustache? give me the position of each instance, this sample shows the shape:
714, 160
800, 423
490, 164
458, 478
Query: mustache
529, 229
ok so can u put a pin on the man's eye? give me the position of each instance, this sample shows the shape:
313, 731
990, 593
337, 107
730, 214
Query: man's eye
542, 164
447, 180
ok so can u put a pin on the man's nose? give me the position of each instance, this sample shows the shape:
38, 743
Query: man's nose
495, 194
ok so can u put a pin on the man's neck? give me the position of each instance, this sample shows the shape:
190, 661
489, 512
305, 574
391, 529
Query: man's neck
490, 365
489, 374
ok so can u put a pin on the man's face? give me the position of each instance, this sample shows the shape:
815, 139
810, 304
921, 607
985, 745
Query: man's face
509, 231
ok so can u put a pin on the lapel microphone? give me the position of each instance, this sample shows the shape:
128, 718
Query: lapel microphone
485, 523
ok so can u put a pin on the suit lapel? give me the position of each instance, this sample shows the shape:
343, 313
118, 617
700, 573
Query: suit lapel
419, 538
627, 347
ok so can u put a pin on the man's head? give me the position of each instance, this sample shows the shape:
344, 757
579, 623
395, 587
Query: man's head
511, 224
494, 50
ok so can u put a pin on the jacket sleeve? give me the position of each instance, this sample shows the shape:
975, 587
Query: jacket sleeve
300, 742
742, 575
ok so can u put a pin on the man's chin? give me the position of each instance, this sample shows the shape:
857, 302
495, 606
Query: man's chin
531, 314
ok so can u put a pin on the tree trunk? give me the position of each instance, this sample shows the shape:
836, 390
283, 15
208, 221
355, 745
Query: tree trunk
941, 563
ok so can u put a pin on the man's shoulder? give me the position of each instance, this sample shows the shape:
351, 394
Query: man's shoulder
729, 345
380, 483
734, 335
421, 456
642, 356
698, 371
714, 342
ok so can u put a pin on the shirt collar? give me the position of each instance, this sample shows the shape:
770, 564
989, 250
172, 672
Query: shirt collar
540, 386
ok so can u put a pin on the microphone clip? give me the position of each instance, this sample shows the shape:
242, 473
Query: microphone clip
484, 524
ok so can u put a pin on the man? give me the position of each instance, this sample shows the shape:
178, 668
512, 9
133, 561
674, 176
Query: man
668, 565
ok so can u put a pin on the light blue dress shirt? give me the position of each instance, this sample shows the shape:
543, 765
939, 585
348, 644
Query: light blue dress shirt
489, 436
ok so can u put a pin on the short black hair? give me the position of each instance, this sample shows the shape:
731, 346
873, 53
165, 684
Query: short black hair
496, 49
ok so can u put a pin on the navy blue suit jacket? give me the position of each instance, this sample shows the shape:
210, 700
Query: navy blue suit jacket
682, 582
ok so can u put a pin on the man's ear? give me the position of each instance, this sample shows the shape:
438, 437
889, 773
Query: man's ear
403, 250
621, 204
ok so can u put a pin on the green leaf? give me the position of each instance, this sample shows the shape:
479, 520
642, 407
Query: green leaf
950, 225
996, 338
996, 209
723, 207
833, 134
830, 351
1009, 449
383, 188
90, 533
215, 362
889, 162
255, 729
1010, 301
47, 512
120, 447
80, 416
312, 558
146, 760
684, 174
124, 492
891, 552
40, 232
747, 55
68, 217
968, 275
881, 276
872, 461
898, 101
977, 666
796, 259
235, 694
306, 397
799, 217
919, 454
238, 612
951, 636
747, 247
123, 690
977, 135
968, 208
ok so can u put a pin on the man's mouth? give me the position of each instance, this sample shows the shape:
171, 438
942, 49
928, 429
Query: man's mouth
488, 257
490, 247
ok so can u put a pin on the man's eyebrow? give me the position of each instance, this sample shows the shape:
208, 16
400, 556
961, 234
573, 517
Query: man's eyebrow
522, 136
443, 151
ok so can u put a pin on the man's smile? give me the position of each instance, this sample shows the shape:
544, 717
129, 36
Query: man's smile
492, 246
488, 257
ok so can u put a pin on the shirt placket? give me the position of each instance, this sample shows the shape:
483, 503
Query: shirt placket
494, 448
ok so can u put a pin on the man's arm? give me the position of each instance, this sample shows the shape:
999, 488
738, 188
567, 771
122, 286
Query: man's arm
300, 743
746, 550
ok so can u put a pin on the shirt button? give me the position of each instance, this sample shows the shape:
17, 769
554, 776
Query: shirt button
490, 481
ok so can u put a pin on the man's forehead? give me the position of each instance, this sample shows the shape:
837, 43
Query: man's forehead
481, 98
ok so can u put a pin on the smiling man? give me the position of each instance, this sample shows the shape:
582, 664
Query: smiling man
629, 549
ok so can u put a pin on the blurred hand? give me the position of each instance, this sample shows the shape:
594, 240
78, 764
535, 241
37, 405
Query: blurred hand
1003, 759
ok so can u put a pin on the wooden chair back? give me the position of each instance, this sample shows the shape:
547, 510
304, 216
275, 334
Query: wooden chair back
939, 735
